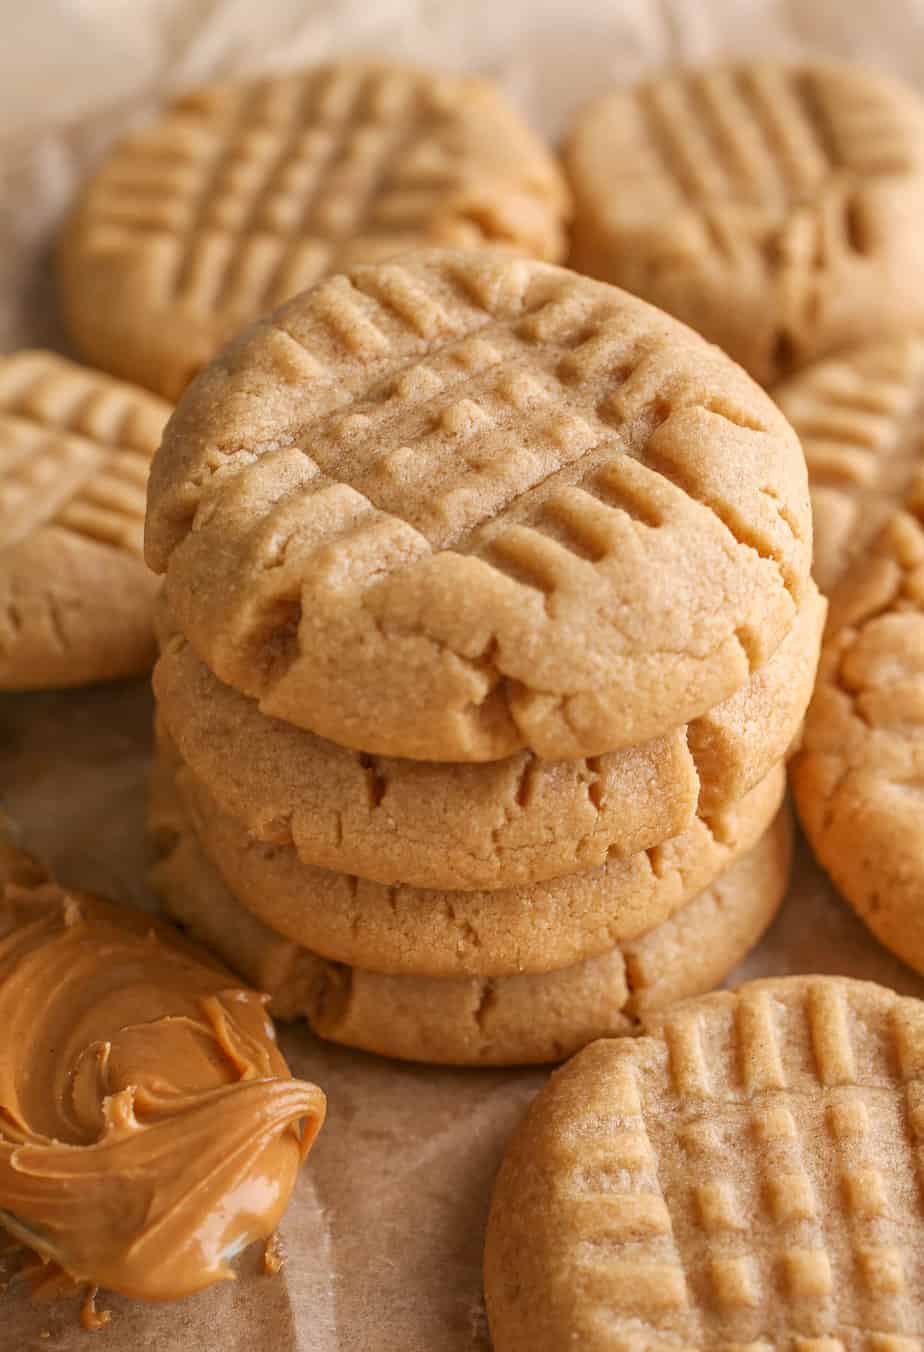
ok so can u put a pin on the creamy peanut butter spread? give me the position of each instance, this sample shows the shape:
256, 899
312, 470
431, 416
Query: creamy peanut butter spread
149, 1127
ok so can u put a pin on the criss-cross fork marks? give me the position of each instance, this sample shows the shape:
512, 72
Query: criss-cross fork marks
299, 169
75, 451
861, 420
768, 137
495, 420
247, 196
758, 171
748, 135
777, 1199
498, 444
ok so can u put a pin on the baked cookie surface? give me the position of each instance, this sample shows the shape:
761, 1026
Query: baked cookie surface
745, 1175
775, 208
497, 824
458, 504
432, 932
75, 595
858, 777
244, 194
477, 1021
860, 417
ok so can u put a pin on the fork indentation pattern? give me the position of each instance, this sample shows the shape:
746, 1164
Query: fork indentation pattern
781, 1144
75, 450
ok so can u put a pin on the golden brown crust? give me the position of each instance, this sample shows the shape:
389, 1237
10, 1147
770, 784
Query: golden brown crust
510, 1020
859, 417
461, 504
244, 194
499, 824
431, 932
744, 1176
774, 208
75, 595
858, 778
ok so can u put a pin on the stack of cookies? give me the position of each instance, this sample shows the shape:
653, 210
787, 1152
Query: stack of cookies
487, 625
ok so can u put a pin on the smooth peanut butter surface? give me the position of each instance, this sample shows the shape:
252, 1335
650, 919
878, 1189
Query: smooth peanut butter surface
149, 1128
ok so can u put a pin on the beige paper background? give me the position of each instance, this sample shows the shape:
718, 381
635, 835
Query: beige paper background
384, 1232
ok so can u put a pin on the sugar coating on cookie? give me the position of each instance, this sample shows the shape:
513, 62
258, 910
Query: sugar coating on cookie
444, 933
775, 208
747, 1175
456, 504
497, 824
243, 194
860, 417
508, 1020
75, 595
858, 778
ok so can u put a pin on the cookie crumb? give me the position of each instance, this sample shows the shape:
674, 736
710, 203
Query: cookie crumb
274, 1255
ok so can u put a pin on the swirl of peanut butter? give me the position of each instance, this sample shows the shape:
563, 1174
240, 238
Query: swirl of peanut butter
149, 1127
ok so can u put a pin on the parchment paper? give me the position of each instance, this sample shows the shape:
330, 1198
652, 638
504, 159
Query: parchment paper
384, 1233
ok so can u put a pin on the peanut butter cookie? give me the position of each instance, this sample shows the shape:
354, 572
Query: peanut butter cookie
508, 1020
244, 194
744, 1175
775, 208
860, 417
459, 504
429, 932
498, 824
75, 595
859, 778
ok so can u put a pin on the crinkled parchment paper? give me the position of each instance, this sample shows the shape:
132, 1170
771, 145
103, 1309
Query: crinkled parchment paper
384, 1232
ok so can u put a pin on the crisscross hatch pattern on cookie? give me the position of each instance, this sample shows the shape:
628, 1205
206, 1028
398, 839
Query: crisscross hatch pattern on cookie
859, 777
748, 1176
75, 450
860, 418
776, 181
475, 466
246, 194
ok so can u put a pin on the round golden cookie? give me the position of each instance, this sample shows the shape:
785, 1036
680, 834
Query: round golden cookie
244, 194
498, 824
512, 1020
427, 932
775, 208
859, 778
75, 595
744, 1176
459, 504
859, 417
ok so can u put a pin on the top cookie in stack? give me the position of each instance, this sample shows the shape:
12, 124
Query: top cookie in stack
488, 623
458, 504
